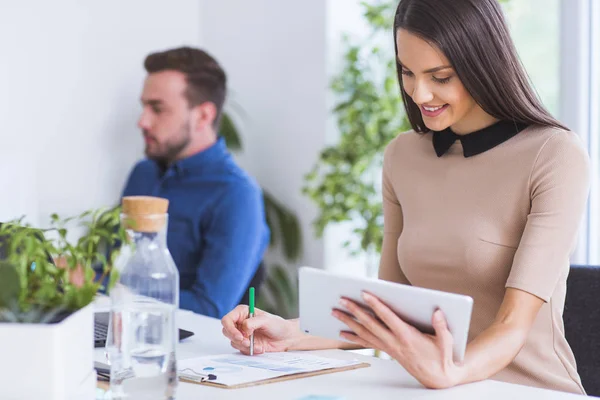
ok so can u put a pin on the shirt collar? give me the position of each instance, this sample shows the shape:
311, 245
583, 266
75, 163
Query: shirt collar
202, 158
479, 141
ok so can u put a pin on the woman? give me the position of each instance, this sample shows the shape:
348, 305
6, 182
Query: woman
483, 198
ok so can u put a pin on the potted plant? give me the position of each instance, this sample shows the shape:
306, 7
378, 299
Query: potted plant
345, 182
46, 319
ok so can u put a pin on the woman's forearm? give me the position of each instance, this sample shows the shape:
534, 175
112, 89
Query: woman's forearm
498, 345
492, 351
309, 342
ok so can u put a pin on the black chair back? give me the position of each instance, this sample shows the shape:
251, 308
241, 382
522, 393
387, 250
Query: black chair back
256, 282
582, 323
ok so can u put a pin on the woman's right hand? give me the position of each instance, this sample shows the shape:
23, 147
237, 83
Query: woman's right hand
271, 333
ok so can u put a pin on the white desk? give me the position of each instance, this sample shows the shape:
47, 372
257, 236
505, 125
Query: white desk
385, 379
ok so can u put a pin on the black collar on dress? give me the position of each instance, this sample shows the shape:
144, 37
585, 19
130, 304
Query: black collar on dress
479, 141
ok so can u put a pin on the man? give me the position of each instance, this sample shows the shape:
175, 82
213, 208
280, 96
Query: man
217, 232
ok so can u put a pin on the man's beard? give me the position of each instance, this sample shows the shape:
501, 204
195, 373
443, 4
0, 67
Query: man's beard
168, 151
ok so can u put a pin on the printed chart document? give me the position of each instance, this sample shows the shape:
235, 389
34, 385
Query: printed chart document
237, 370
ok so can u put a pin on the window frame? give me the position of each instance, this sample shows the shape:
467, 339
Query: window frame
580, 96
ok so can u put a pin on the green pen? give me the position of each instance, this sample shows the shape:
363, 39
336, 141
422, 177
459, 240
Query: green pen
250, 316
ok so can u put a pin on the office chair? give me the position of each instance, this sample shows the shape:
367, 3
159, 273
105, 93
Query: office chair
582, 323
256, 282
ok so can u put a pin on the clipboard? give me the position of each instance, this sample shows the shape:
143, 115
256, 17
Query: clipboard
277, 379
289, 366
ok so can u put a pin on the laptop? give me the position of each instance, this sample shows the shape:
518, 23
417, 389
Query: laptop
101, 329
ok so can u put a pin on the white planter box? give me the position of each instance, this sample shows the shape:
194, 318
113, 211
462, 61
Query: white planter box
49, 361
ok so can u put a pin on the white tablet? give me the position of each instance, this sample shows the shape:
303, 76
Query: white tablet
320, 292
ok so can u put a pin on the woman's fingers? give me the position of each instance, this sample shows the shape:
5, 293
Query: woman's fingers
443, 335
245, 349
389, 318
231, 321
248, 326
358, 340
368, 321
358, 328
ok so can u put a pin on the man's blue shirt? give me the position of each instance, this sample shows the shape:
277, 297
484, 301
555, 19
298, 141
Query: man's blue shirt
217, 232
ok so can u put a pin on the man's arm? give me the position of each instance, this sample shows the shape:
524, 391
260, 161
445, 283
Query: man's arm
234, 244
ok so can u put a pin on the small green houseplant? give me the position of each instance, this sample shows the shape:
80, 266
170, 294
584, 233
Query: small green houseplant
34, 287
47, 283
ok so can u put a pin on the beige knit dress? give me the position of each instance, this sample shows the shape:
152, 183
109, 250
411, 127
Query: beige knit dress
507, 216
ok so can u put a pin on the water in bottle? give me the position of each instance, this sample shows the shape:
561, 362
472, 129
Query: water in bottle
144, 301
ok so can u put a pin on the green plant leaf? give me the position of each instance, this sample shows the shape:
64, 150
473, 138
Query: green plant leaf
230, 132
48, 316
276, 292
114, 277
281, 278
344, 184
284, 223
271, 221
280, 292
10, 287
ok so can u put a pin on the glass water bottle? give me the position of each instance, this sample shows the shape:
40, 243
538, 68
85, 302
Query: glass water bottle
144, 301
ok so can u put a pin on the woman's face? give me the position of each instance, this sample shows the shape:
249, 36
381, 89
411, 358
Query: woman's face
431, 82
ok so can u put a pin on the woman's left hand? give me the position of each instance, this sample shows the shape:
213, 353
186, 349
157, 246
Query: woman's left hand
426, 357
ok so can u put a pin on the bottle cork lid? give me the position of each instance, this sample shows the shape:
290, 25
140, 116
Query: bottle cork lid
145, 213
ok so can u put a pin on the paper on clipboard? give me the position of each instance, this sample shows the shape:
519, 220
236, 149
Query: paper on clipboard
236, 369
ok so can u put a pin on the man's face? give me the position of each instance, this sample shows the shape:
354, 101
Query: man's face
165, 120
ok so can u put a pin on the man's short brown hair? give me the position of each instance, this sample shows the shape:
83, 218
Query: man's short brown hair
206, 80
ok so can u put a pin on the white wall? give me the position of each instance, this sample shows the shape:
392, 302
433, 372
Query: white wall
70, 79
274, 55
71, 75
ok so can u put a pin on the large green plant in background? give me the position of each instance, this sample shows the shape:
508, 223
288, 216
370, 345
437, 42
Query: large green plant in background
279, 293
345, 182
